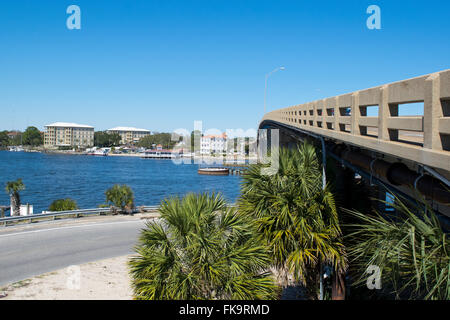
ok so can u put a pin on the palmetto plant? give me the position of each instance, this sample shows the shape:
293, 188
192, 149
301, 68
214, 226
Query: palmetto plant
63, 205
13, 188
295, 216
200, 249
121, 196
412, 251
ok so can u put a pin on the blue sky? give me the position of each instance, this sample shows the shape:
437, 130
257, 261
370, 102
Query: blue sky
162, 64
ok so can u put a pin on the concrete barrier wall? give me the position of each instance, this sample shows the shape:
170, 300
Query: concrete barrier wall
422, 139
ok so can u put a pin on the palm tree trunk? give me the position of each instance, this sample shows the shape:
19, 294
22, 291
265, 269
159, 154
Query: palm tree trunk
338, 286
15, 204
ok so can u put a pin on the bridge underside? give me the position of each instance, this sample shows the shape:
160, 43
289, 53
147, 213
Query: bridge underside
403, 176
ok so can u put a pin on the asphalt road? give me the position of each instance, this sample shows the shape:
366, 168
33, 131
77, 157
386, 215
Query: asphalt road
27, 252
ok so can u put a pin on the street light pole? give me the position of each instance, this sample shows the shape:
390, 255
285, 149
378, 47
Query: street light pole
265, 87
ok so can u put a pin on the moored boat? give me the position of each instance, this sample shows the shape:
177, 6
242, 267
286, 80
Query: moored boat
214, 171
98, 153
16, 149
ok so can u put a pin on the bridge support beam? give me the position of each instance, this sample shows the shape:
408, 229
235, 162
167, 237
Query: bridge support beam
287, 141
398, 174
343, 180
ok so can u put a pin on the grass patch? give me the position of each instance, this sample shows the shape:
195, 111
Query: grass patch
21, 284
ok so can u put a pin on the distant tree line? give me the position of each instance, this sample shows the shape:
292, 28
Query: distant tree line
4, 139
104, 139
163, 138
31, 137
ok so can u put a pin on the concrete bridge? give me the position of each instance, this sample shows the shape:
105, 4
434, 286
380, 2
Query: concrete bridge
406, 152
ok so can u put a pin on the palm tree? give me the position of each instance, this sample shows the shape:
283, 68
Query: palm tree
296, 217
411, 250
13, 188
120, 196
200, 249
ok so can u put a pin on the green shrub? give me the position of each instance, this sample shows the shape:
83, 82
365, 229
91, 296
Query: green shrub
63, 205
65, 148
296, 216
412, 252
120, 196
201, 249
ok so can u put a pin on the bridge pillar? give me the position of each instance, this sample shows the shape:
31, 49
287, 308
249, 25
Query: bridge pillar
434, 110
343, 180
337, 114
381, 198
386, 110
287, 141
356, 115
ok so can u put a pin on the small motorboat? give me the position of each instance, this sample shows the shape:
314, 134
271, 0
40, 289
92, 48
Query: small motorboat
16, 149
98, 153
214, 171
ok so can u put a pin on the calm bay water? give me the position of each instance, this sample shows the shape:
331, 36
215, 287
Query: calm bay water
48, 177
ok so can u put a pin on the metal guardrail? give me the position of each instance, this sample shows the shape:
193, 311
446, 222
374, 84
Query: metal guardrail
70, 213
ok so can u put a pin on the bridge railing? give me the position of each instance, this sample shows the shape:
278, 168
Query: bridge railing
65, 214
424, 139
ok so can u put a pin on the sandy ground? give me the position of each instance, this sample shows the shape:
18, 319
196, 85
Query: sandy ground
100, 280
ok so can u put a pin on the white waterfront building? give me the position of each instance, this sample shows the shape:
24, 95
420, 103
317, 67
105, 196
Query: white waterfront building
221, 144
213, 144
129, 135
66, 134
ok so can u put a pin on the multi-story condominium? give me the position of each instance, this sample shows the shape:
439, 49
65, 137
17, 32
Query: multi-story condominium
64, 134
129, 135
213, 144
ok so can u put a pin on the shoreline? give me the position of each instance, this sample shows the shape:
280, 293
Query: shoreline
231, 159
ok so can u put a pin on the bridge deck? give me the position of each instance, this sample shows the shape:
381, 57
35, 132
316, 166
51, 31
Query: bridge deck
423, 139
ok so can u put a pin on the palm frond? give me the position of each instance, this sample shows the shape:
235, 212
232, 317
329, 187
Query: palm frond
201, 249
